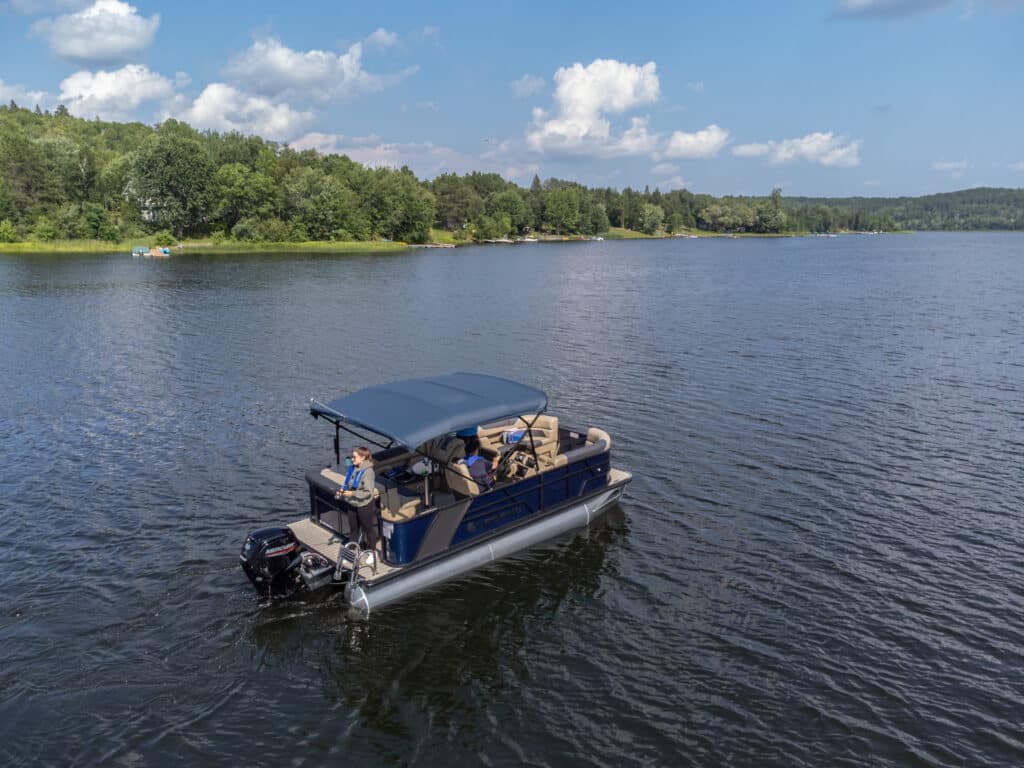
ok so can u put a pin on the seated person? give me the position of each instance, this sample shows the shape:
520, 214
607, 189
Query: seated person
480, 469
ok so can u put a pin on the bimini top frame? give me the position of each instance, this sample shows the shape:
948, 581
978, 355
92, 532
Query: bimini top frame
413, 411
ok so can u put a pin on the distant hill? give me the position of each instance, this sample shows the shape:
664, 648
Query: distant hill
979, 208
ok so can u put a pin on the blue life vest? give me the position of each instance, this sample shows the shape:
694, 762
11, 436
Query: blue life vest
471, 460
355, 480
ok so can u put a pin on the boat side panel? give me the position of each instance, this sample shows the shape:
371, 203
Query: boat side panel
406, 538
439, 535
498, 509
366, 596
560, 485
426, 535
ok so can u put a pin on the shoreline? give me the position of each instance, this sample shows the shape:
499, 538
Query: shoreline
204, 246
370, 246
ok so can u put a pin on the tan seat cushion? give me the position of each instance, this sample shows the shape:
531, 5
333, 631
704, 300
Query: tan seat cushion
338, 478
544, 433
408, 509
460, 481
595, 435
544, 436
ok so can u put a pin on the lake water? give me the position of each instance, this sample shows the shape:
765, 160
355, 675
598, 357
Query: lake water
820, 560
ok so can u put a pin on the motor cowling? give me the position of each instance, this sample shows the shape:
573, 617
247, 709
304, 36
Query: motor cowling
270, 558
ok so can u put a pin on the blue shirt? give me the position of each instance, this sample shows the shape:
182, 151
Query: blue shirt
480, 470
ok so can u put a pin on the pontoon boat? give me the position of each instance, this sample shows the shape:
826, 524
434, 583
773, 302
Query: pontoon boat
436, 520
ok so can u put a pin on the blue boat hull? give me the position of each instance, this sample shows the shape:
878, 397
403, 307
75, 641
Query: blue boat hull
366, 596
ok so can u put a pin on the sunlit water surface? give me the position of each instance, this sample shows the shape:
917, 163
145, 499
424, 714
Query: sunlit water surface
819, 561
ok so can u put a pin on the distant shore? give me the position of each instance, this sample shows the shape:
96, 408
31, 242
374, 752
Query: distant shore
365, 246
202, 246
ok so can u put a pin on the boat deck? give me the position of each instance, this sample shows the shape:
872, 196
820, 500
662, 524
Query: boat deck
616, 476
328, 543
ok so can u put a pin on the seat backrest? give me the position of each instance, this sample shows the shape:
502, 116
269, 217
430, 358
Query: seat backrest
388, 495
543, 434
595, 435
459, 479
444, 450
544, 421
490, 435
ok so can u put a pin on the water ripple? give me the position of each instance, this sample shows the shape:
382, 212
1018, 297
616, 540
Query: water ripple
819, 561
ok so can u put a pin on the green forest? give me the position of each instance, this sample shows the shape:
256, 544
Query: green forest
65, 178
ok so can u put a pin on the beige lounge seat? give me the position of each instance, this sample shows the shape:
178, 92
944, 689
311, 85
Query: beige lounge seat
407, 511
594, 436
396, 506
543, 434
460, 481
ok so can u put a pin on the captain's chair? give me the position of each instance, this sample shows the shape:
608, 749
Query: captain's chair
443, 450
460, 481
542, 436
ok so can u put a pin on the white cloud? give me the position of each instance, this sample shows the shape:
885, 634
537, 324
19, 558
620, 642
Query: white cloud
527, 85
426, 106
635, 141
822, 148
751, 150
704, 143
221, 107
898, 9
525, 171
949, 165
324, 143
884, 9
117, 94
272, 69
674, 182
426, 159
23, 97
697, 87
1017, 166
381, 39
431, 34
583, 96
664, 169
44, 6
107, 31
496, 149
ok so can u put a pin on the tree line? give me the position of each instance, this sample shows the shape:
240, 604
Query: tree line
63, 177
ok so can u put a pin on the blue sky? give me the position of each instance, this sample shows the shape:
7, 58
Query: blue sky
835, 97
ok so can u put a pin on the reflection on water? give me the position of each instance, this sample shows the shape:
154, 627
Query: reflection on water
818, 561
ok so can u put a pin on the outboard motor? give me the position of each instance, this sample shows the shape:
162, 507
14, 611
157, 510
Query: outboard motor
270, 558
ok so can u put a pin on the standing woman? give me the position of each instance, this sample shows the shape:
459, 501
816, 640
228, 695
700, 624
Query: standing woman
357, 493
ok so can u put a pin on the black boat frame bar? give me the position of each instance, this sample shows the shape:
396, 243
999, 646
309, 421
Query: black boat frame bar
339, 425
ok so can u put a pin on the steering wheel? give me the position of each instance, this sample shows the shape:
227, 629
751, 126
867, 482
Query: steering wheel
505, 466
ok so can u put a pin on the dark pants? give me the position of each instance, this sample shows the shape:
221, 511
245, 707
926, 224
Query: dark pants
363, 519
